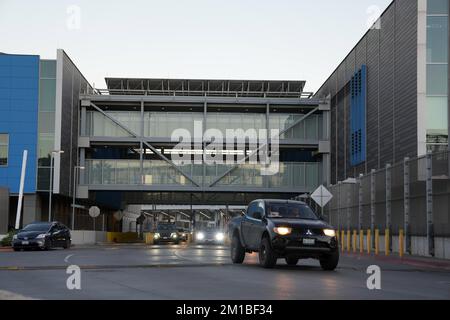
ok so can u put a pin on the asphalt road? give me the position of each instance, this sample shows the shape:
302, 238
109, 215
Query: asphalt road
205, 272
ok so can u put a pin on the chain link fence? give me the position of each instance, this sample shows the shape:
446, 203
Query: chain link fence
410, 199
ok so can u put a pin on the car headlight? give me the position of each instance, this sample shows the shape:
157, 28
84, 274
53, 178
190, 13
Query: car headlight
220, 236
329, 232
200, 236
41, 236
157, 235
174, 235
15, 237
282, 231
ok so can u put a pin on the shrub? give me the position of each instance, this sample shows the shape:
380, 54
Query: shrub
6, 242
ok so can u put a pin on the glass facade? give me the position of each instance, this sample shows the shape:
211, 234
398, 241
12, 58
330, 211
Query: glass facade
163, 124
46, 128
4, 149
161, 173
437, 74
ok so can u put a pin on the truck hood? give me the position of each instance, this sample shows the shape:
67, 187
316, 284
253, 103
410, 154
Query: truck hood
300, 223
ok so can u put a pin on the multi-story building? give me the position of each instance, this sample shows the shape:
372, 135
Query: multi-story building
127, 146
38, 113
389, 97
113, 148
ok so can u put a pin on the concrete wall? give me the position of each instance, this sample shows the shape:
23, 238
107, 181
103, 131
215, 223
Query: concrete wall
87, 237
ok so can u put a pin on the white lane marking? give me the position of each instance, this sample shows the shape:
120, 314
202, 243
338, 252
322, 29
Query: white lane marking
8, 295
66, 259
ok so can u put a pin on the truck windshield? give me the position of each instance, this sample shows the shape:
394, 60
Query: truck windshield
290, 211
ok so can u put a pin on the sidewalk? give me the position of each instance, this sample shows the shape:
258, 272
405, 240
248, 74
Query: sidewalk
415, 261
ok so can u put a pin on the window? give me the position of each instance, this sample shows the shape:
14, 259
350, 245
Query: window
255, 210
4, 149
437, 6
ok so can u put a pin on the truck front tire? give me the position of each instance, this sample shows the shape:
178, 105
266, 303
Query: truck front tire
267, 257
330, 262
237, 250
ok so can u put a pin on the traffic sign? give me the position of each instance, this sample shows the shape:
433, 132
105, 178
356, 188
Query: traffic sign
322, 196
94, 212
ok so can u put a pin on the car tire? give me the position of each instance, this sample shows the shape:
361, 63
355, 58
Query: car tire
155, 242
67, 245
330, 262
237, 250
267, 257
291, 261
16, 249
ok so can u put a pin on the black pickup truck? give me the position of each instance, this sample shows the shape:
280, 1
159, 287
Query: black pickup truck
283, 229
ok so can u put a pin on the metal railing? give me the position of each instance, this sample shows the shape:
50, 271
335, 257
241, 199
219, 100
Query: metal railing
201, 93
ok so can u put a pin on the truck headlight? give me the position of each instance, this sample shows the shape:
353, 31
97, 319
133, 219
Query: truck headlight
174, 235
329, 233
220, 236
282, 231
200, 236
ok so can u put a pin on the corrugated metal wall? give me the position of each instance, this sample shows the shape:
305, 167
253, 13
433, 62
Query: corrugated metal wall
390, 54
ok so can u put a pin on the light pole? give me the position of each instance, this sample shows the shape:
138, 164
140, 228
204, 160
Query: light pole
51, 183
74, 191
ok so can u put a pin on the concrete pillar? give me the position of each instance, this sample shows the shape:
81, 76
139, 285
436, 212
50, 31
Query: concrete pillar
406, 204
360, 203
31, 209
372, 205
429, 197
388, 204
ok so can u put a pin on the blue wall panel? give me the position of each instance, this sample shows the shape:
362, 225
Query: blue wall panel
358, 92
19, 98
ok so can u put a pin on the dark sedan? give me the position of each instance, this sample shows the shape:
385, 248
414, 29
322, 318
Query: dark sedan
42, 235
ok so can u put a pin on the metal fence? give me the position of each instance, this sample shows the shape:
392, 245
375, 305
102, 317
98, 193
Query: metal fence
410, 198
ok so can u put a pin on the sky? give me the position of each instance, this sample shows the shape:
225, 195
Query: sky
195, 39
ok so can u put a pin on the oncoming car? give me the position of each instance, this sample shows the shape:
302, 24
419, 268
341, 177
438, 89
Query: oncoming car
283, 229
210, 236
42, 235
166, 232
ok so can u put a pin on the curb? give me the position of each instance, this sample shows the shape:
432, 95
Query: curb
415, 261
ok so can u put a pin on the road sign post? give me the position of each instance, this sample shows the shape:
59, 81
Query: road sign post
321, 196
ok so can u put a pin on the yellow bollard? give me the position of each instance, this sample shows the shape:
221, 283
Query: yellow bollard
361, 241
400, 243
377, 241
343, 240
369, 241
354, 241
387, 247
349, 241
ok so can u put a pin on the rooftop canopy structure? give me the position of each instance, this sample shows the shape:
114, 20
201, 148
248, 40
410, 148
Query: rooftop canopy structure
197, 87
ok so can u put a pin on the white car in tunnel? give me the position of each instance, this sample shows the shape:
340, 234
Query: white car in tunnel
210, 236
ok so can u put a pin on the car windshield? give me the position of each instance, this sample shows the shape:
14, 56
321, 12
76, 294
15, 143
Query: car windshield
166, 227
37, 227
290, 211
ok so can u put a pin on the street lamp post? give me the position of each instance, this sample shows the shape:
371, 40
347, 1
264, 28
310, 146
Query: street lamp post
52, 158
74, 191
